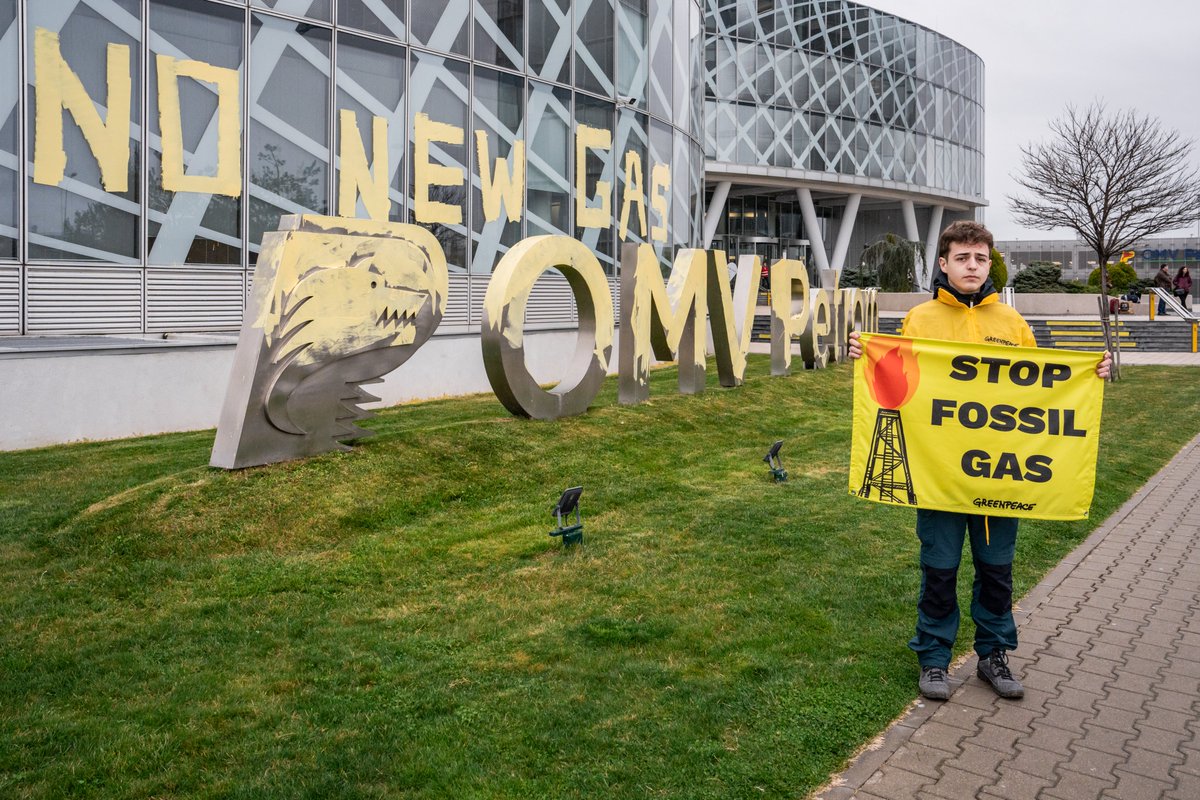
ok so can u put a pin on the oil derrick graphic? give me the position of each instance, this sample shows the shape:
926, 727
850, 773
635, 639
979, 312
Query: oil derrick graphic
887, 461
892, 375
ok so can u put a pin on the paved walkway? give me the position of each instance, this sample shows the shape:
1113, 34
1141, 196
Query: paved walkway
1110, 658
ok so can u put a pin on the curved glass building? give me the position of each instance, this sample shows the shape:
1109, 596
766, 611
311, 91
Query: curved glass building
828, 124
146, 145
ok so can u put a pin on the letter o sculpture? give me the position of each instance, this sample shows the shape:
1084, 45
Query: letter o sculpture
503, 333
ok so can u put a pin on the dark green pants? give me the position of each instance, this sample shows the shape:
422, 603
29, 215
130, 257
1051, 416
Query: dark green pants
941, 534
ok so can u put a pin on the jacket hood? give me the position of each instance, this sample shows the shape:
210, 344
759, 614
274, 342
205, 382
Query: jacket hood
941, 282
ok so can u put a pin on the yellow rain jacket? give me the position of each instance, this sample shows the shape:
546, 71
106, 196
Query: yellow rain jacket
954, 317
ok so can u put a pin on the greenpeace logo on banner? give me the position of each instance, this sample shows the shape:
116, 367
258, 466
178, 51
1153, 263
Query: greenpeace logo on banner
1010, 505
975, 428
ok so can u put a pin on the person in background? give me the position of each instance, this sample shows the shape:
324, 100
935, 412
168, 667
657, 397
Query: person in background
1162, 280
1183, 285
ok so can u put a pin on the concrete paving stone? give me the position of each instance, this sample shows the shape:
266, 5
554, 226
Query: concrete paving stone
1066, 719
1145, 591
1127, 621
1185, 652
1129, 701
1089, 626
1190, 639
1160, 740
921, 759
1059, 648
943, 737
998, 737
1190, 766
1181, 666
1104, 739
1091, 682
1056, 613
959, 716
895, 783
1118, 719
1091, 762
980, 760
1109, 652
1071, 696
1013, 715
1076, 785
1140, 603
1149, 763
1047, 738
1159, 634
1044, 681
1113, 636
976, 695
1036, 700
955, 784
1131, 786
1034, 761
1074, 637
1167, 719
1015, 785
1143, 666
1038, 623
1106, 670
1057, 665
1133, 682
1151, 652
1094, 613
1174, 683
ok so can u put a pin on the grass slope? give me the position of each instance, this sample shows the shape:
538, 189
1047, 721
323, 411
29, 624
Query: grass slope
395, 622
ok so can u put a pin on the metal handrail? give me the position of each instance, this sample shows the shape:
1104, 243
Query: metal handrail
1172, 303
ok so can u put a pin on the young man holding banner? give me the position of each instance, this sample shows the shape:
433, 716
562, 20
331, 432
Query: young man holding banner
965, 309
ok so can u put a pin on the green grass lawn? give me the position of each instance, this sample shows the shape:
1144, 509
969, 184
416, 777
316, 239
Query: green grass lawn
395, 621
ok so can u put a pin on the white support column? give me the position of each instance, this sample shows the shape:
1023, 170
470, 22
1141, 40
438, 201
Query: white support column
931, 243
910, 220
712, 216
812, 230
844, 230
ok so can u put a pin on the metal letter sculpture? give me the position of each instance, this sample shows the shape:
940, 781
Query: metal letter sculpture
336, 304
503, 329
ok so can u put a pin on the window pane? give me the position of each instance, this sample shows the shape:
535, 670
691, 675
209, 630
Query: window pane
193, 227
594, 46
550, 159
441, 24
632, 67
550, 39
499, 113
78, 219
380, 17
313, 9
9, 132
371, 83
500, 32
598, 167
289, 140
444, 83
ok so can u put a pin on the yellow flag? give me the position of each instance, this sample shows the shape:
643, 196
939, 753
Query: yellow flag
975, 428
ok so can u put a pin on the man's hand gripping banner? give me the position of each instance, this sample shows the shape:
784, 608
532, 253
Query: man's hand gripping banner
974, 428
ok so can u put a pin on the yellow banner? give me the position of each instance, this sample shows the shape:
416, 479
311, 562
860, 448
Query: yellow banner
975, 428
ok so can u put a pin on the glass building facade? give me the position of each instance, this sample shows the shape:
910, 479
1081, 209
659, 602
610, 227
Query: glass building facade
828, 94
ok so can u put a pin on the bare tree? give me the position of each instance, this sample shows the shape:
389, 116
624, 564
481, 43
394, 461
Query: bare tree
1112, 178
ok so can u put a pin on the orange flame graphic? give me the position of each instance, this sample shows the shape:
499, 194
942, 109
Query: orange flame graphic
891, 371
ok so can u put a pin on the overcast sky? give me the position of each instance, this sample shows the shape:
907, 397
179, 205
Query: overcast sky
1041, 55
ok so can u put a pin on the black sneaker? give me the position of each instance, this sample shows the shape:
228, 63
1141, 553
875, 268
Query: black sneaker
933, 683
994, 669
